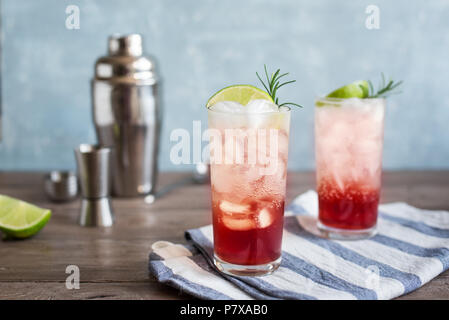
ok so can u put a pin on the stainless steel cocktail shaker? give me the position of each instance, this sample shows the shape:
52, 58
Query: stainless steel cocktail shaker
127, 114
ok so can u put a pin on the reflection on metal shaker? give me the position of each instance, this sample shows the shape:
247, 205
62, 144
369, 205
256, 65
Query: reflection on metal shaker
127, 114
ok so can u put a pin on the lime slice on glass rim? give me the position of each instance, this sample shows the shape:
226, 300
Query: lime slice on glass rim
243, 94
19, 219
357, 89
238, 93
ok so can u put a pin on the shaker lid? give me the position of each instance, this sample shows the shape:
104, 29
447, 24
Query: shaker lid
130, 45
125, 62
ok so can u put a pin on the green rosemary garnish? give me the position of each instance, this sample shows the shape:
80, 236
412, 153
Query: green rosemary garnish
384, 89
273, 84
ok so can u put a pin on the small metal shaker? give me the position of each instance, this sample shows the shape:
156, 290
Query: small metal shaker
127, 114
93, 169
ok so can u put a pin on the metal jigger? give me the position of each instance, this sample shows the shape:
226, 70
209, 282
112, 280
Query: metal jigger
93, 169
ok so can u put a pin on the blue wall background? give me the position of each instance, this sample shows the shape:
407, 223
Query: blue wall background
204, 45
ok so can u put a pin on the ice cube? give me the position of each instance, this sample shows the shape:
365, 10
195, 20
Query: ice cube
368, 146
229, 115
238, 224
260, 106
222, 178
283, 144
230, 207
274, 179
250, 174
228, 106
237, 216
264, 218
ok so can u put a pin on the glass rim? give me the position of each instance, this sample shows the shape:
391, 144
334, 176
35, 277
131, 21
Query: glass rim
282, 110
338, 100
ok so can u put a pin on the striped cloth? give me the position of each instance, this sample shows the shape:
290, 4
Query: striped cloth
411, 248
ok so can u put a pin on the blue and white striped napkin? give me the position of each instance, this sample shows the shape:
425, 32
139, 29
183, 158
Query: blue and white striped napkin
411, 248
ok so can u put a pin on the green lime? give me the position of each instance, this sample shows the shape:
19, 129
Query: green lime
239, 93
19, 219
357, 89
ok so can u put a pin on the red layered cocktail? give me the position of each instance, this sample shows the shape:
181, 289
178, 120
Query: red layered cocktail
348, 139
249, 130
249, 149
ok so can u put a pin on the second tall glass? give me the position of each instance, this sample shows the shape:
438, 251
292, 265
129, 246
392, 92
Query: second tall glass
348, 151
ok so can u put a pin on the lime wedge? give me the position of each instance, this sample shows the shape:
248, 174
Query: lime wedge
357, 89
19, 219
239, 93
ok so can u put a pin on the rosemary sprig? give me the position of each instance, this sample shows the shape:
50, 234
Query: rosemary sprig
384, 89
274, 84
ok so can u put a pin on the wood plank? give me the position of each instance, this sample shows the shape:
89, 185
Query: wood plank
144, 290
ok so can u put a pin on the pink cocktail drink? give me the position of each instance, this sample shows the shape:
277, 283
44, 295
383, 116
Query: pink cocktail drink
348, 140
249, 153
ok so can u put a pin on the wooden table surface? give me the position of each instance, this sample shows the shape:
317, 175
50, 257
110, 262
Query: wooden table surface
113, 261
